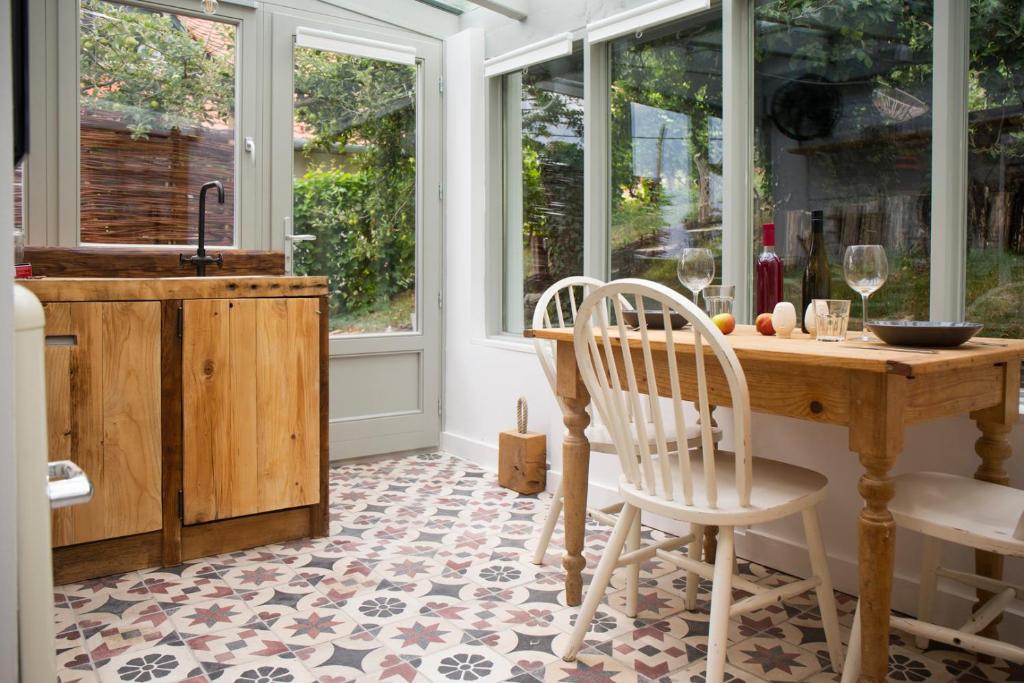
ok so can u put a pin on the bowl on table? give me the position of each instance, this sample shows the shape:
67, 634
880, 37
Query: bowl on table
655, 319
923, 332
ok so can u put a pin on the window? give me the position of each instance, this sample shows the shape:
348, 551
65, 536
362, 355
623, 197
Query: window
156, 121
995, 168
842, 96
665, 119
543, 180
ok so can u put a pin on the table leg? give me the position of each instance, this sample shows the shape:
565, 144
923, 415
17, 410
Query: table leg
876, 435
875, 557
575, 473
710, 532
993, 447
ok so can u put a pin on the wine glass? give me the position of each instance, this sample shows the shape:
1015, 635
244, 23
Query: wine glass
696, 269
865, 268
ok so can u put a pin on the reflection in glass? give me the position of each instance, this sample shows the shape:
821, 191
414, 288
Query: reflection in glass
666, 147
995, 167
156, 121
843, 119
354, 132
543, 154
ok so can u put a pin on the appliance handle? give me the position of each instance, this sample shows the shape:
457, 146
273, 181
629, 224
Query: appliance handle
67, 485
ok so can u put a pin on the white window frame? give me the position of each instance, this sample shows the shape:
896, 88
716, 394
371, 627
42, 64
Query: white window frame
500, 172
64, 199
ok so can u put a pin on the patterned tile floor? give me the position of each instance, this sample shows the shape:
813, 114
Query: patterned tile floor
425, 578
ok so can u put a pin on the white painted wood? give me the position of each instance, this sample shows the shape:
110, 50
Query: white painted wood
554, 512
406, 416
511, 88
695, 549
737, 152
644, 16
930, 554
960, 510
633, 569
359, 46
702, 485
556, 46
513, 9
721, 597
602, 577
949, 160
972, 513
596, 171
826, 597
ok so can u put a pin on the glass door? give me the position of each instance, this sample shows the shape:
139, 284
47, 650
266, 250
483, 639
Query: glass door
357, 138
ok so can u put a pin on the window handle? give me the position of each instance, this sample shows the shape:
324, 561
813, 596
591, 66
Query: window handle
250, 147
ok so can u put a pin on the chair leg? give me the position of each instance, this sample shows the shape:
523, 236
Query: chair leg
929, 580
599, 584
694, 550
851, 667
549, 526
633, 570
826, 598
721, 601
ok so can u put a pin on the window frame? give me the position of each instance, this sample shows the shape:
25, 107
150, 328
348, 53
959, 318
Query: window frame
66, 204
496, 171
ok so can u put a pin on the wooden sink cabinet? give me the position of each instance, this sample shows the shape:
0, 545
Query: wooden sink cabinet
198, 408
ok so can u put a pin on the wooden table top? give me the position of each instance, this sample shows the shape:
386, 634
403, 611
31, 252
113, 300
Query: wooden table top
54, 289
802, 349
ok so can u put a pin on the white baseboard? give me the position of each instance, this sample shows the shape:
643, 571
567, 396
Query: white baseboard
778, 553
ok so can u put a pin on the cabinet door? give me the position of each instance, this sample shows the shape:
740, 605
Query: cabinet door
251, 406
103, 412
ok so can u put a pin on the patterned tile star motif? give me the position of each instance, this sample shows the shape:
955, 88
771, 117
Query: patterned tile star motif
772, 658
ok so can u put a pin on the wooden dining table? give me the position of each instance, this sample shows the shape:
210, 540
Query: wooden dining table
872, 389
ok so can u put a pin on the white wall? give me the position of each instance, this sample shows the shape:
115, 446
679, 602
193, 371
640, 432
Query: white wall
8, 510
483, 377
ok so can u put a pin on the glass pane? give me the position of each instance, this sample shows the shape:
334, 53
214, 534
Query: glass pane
354, 132
995, 166
843, 120
666, 148
157, 120
543, 182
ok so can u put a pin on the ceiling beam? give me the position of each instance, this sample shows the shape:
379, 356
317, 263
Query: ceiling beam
513, 9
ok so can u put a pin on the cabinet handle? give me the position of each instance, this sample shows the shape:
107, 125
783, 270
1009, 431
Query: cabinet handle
68, 484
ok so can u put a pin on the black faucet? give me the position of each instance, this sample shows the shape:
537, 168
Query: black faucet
200, 259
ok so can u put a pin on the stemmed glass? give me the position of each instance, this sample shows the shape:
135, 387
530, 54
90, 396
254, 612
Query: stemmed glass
696, 269
865, 268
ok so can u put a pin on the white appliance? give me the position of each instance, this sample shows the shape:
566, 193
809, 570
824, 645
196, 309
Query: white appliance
40, 486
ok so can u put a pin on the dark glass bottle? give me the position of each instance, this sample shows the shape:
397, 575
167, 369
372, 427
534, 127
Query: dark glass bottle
817, 282
769, 273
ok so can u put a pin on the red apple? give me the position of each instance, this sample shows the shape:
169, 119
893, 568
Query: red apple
725, 322
764, 324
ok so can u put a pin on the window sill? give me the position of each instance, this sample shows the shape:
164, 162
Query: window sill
505, 342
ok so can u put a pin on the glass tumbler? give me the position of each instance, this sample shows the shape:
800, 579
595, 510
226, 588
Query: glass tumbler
719, 299
831, 317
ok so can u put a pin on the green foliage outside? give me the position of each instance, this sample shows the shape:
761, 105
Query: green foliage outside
146, 67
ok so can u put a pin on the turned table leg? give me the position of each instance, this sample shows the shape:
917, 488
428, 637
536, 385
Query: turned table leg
876, 532
710, 532
576, 472
993, 447
876, 435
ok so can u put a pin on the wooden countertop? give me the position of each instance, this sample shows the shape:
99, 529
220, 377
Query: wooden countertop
852, 354
52, 289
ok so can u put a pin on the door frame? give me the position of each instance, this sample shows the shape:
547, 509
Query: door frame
354, 436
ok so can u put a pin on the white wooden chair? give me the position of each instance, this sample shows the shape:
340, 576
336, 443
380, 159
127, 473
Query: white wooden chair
977, 514
703, 487
557, 308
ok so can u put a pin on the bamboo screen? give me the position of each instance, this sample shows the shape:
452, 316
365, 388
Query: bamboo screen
146, 191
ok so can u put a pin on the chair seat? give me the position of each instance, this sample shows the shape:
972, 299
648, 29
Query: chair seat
977, 514
779, 489
601, 439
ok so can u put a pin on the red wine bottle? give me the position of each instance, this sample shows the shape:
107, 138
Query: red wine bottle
817, 282
769, 273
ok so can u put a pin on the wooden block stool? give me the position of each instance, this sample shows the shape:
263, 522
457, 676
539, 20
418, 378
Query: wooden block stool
522, 461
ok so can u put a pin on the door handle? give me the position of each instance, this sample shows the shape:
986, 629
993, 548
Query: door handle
67, 484
300, 238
